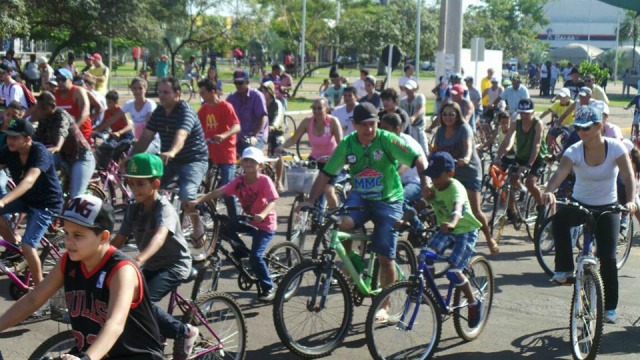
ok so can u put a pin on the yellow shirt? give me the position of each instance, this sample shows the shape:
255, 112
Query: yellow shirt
485, 84
101, 85
559, 109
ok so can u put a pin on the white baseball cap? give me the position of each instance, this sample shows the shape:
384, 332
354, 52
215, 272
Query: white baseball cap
564, 92
411, 85
254, 154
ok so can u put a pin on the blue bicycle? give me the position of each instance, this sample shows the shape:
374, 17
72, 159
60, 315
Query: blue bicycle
416, 310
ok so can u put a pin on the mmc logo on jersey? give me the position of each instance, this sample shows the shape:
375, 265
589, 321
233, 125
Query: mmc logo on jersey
369, 184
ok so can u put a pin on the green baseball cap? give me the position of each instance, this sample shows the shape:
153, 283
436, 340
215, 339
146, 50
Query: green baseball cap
144, 165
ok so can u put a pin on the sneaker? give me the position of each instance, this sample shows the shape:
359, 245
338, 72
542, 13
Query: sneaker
197, 257
268, 296
561, 278
610, 317
183, 346
44, 308
475, 314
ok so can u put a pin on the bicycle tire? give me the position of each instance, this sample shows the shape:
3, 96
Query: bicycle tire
280, 259
406, 260
298, 223
290, 127
423, 338
235, 340
55, 346
303, 345
591, 276
625, 242
480, 284
499, 215
530, 216
544, 246
208, 274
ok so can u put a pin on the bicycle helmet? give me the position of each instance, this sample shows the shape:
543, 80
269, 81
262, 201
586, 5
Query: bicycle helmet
455, 77
506, 82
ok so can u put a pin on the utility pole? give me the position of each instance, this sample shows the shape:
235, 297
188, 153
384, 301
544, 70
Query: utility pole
418, 25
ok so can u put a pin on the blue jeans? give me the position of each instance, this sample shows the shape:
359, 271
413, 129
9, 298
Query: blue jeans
260, 239
80, 173
4, 179
38, 220
227, 173
189, 175
242, 144
412, 192
384, 215
159, 284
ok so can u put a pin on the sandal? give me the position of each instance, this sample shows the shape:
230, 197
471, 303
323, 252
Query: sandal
383, 318
199, 242
493, 247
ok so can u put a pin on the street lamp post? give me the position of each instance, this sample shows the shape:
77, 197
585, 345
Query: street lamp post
304, 30
418, 21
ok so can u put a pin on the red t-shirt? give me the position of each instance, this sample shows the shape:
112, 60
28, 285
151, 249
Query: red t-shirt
70, 105
216, 120
120, 123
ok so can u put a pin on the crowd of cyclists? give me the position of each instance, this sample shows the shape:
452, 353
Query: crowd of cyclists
382, 139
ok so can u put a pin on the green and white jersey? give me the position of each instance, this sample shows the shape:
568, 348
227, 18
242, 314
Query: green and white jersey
373, 168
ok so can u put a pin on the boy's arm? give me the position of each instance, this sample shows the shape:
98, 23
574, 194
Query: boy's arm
23, 186
121, 296
456, 214
34, 299
259, 217
155, 243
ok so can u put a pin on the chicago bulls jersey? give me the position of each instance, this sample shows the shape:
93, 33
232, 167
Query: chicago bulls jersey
87, 298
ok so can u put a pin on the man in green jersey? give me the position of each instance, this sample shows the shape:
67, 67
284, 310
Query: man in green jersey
373, 156
530, 150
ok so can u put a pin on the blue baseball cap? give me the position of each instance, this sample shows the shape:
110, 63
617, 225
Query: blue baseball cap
240, 75
587, 116
438, 163
64, 72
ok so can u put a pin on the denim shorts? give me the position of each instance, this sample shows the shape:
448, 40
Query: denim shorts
384, 215
38, 221
474, 184
463, 245
189, 175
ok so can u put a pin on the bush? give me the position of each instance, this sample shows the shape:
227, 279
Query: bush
594, 69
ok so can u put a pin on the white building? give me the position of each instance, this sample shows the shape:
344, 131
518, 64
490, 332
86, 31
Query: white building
581, 21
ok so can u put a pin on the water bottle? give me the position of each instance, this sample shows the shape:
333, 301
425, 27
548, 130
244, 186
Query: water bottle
356, 260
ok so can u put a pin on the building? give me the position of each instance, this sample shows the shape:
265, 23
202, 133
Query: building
581, 21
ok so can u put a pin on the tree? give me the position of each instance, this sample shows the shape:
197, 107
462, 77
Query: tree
508, 25
185, 22
85, 22
12, 18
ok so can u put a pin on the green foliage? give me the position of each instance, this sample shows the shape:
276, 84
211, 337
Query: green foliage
593, 69
507, 25
12, 18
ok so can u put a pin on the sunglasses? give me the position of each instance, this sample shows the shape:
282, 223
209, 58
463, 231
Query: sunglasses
449, 114
61, 79
585, 128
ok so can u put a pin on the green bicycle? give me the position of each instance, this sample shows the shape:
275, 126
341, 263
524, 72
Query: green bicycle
315, 315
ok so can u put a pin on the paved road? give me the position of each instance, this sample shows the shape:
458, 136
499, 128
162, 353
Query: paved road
529, 317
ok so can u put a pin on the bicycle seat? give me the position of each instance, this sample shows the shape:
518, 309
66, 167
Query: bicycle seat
192, 276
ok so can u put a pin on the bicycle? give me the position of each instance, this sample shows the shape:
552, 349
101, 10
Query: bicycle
499, 184
279, 259
186, 90
317, 293
416, 310
222, 326
545, 244
109, 176
587, 305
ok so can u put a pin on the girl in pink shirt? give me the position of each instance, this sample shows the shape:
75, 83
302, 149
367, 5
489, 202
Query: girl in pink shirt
257, 195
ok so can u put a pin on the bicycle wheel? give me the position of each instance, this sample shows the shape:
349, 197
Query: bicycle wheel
298, 224
289, 127
545, 247
625, 241
499, 215
280, 259
317, 317
529, 214
207, 278
480, 275
55, 346
398, 337
587, 313
406, 263
223, 315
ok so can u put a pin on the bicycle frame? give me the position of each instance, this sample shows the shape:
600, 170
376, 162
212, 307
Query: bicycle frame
110, 175
363, 285
428, 257
176, 300
15, 278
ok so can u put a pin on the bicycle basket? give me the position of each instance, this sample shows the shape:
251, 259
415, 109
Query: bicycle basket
300, 179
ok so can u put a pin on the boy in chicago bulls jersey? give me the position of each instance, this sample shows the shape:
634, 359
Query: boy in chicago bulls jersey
111, 316
257, 195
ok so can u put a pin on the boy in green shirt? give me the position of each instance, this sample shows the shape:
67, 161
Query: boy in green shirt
458, 226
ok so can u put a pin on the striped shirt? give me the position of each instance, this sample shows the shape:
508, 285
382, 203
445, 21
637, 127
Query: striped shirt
180, 118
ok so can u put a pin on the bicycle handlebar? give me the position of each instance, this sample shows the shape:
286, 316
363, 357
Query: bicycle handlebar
242, 219
617, 208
